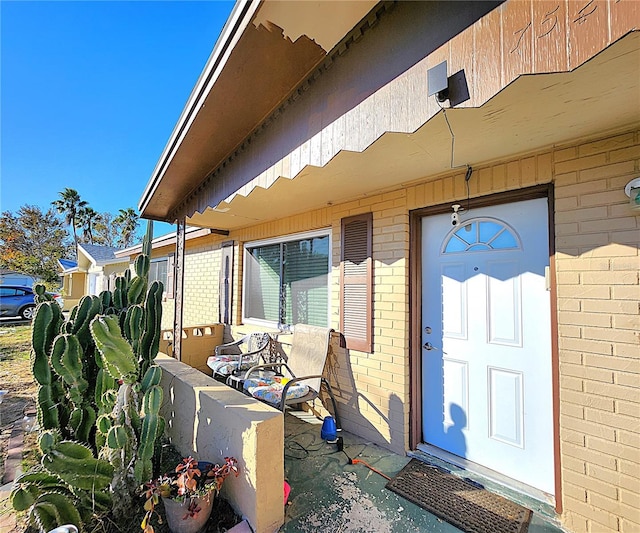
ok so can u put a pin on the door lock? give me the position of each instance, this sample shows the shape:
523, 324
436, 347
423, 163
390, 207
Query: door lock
427, 330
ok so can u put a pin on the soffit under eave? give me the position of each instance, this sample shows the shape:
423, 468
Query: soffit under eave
273, 55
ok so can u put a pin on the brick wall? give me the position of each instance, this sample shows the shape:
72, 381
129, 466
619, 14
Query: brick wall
201, 270
201, 273
597, 263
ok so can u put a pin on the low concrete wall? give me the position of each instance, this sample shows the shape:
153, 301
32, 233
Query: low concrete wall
210, 421
198, 343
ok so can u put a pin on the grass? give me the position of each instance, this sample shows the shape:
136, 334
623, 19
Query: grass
17, 380
15, 376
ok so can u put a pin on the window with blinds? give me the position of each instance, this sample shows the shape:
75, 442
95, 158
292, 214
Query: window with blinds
356, 282
158, 271
287, 281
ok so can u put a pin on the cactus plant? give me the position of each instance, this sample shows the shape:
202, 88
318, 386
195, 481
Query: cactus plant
46, 324
98, 398
117, 354
67, 485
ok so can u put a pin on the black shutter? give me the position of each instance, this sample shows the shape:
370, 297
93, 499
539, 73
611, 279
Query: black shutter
356, 282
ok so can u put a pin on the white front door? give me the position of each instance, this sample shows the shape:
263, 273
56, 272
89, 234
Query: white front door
486, 357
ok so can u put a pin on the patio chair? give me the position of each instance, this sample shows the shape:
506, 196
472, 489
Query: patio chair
297, 378
232, 358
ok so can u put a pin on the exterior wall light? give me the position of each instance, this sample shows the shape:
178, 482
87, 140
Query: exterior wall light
632, 190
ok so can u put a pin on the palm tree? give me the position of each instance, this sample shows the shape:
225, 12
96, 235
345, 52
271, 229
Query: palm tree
128, 222
86, 217
70, 204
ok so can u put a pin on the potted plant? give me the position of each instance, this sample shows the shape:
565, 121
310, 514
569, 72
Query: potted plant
187, 494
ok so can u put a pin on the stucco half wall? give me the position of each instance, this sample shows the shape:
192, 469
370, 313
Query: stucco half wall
210, 421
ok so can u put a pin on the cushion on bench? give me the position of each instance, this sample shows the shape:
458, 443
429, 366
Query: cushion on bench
226, 364
270, 389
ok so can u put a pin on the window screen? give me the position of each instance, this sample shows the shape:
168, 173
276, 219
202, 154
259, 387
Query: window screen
288, 282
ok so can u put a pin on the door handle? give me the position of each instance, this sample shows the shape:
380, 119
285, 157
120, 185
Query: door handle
428, 346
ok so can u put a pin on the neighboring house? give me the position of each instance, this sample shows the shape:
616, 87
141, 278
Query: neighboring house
10, 277
73, 282
94, 272
502, 334
199, 291
101, 265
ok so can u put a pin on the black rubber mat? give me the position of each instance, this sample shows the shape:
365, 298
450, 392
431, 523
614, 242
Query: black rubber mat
466, 505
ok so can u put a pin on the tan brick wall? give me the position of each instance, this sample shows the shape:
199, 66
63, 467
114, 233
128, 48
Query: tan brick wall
201, 269
201, 272
598, 291
374, 387
597, 264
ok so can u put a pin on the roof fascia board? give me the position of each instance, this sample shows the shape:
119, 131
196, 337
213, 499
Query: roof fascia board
238, 20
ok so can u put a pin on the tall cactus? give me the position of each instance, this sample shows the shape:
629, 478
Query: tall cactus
66, 360
46, 324
151, 424
98, 396
134, 418
152, 317
117, 354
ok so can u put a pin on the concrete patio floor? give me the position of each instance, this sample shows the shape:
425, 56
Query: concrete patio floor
330, 495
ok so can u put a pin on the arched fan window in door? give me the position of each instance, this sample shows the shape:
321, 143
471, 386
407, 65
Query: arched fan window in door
481, 235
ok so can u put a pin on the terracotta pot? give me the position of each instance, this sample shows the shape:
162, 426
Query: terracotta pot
179, 519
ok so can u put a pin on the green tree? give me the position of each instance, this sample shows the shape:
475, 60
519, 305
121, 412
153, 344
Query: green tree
31, 242
105, 232
70, 204
127, 222
86, 218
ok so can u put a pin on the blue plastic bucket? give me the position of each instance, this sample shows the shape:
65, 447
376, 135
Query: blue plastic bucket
328, 431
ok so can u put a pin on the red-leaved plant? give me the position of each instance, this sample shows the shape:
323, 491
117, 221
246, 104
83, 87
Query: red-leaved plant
189, 481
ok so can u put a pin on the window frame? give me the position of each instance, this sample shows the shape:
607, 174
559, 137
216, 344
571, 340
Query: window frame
325, 232
168, 284
473, 247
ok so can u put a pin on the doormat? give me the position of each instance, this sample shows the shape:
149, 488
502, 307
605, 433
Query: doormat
464, 504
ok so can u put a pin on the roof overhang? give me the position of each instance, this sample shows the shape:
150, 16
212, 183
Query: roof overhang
279, 43
534, 112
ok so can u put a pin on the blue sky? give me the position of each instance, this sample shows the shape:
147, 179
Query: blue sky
90, 92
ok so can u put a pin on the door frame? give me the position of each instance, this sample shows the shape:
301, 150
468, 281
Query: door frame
415, 310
